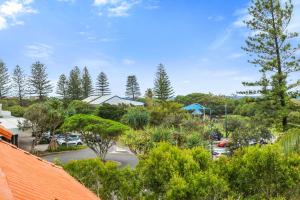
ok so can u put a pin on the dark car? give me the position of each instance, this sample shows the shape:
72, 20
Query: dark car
216, 136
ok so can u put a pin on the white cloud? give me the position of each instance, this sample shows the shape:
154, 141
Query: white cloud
115, 8
38, 51
234, 56
10, 10
217, 18
127, 61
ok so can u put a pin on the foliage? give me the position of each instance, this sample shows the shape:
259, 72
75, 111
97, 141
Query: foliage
104, 179
171, 173
4, 80
19, 83
132, 87
17, 111
79, 107
138, 141
291, 141
62, 86
136, 118
162, 85
74, 84
271, 49
262, 172
149, 93
168, 172
102, 85
245, 131
97, 133
113, 112
87, 87
168, 112
214, 102
67, 148
39, 82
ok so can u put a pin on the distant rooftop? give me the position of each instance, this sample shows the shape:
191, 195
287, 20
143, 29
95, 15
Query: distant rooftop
111, 99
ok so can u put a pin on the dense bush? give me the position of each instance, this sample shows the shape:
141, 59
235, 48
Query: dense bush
263, 173
17, 111
136, 118
80, 107
167, 113
214, 102
168, 172
113, 112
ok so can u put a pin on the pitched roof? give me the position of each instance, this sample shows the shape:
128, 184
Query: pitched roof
24, 176
5, 133
111, 99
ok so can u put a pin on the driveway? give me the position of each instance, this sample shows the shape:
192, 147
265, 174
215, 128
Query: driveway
124, 157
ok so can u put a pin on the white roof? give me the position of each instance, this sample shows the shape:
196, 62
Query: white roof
90, 99
111, 99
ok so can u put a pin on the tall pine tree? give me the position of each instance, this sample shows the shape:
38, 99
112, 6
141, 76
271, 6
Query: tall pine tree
87, 87
102, 85
74, 84
270, 47
19, 83
4, 80
39, 82
132, 87
162, 85
62, 87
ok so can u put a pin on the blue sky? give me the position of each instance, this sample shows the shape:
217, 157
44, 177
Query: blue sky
199, 42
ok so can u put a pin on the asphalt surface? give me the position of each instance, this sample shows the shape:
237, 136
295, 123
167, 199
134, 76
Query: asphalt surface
124, 158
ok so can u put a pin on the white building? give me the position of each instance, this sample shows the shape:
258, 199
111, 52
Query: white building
112, 100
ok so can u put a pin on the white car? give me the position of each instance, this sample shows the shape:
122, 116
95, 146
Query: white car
70, 140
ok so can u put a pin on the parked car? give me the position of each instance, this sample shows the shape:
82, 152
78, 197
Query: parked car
223, 143
70, 140
46, 138
216, 136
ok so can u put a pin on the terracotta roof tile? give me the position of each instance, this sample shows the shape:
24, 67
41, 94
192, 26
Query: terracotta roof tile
24, 176
5, 132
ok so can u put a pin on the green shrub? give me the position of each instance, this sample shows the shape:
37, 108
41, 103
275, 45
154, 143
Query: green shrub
136, 118
113, 112
80, 107
17, 111
263, 172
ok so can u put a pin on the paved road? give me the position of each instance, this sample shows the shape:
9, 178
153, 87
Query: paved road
124, 158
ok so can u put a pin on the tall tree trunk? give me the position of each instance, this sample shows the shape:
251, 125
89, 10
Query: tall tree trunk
279, 71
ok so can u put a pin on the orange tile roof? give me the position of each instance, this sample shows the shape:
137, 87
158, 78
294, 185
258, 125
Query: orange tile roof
5, 132
27, 177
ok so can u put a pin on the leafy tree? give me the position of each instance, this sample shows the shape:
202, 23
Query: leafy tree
149, 93
87, 87
136, 118
106, 180
113, 112
138, 141
263, 173
272, 51
19, 83
39, 82
62, 87
291, 141
79, 107
36, 115
132, 87
162, 85
74, 84
17, 111
96, 132
102, 84
4, 80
